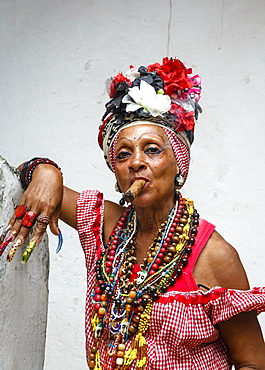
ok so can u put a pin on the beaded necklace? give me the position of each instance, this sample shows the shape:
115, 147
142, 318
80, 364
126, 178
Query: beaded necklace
122, 307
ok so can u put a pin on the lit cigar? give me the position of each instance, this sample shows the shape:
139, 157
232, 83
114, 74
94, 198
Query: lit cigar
133, 191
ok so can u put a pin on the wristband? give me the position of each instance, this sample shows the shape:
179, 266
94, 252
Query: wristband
29, 167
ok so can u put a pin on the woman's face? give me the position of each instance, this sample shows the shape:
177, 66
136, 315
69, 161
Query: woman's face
143, 151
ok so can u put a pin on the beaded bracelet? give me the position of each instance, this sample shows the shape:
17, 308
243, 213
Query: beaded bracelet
29, 167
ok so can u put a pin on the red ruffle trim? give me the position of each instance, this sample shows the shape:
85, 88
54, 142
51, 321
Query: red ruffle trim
194, 299
97, 225
199, 297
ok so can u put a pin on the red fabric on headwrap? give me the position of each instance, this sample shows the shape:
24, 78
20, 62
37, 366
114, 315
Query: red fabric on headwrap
181, 152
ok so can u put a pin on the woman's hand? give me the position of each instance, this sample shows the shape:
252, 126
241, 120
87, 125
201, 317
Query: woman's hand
43, 196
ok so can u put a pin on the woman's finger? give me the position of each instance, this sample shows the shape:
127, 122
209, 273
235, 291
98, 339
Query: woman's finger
39, 231
54, 225
32, 244
5, 243
4, 233
12, 251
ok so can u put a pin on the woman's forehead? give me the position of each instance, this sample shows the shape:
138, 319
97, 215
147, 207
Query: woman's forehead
136, 132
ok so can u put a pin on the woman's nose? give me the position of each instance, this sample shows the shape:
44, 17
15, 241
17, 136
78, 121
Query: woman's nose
136, 161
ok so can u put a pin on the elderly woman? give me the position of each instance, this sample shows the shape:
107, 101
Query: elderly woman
164, 289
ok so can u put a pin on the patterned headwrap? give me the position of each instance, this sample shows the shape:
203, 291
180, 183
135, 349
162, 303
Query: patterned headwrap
161, 94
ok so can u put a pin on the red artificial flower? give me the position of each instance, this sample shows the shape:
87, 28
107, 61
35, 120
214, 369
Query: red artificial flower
119, 78
184, 120
174, 74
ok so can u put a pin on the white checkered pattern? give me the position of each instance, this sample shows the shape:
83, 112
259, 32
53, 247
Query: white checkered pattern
182, 333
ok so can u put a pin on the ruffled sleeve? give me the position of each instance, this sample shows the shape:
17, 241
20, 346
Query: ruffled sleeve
232, 302
219, 304
90, 209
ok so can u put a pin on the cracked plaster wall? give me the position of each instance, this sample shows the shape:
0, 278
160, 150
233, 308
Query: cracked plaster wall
23, 291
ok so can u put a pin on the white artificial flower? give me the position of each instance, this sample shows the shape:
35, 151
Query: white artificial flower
146, 97
132, 74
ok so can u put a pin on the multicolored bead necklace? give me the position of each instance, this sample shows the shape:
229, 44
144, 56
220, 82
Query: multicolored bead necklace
122, 306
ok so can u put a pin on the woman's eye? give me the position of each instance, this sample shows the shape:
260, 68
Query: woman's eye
153, 150
122, 155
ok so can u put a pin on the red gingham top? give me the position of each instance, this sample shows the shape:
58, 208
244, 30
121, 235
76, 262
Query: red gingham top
183, 334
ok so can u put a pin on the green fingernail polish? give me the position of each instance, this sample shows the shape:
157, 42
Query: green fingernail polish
28, 251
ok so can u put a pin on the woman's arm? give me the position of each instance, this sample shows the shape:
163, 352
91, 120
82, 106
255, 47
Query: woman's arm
220, 265
243, 337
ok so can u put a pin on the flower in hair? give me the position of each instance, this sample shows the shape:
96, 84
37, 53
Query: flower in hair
151, 78
145, 96
132, 73
174, 74
184, 119
119, 85
165, 92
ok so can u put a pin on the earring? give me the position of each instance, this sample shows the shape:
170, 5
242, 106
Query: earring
117, 187
179, 180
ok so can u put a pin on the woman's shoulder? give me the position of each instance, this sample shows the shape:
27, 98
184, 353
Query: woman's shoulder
219, 265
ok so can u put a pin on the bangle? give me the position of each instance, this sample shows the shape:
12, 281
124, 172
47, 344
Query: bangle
29, 167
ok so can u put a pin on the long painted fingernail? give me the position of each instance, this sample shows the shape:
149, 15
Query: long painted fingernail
28, 251
60, 241
2, 237
5, 243
13, 249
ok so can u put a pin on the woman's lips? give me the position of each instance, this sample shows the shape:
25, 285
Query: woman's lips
139, 178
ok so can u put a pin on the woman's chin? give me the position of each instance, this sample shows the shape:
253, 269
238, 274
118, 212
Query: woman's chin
150, 201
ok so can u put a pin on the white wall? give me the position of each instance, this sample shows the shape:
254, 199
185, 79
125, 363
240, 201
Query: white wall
55, 57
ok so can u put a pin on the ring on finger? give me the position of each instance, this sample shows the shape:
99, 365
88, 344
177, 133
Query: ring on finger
20, 211
43, 219
29, 219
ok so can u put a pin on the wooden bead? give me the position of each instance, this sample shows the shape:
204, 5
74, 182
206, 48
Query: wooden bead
132, 294
183, 221
136, 318
120, 354
179, 229
147, 296
167, 259
132, 329
175, 239
94, 349
91, 364
128, 307
172, 249
102, 311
